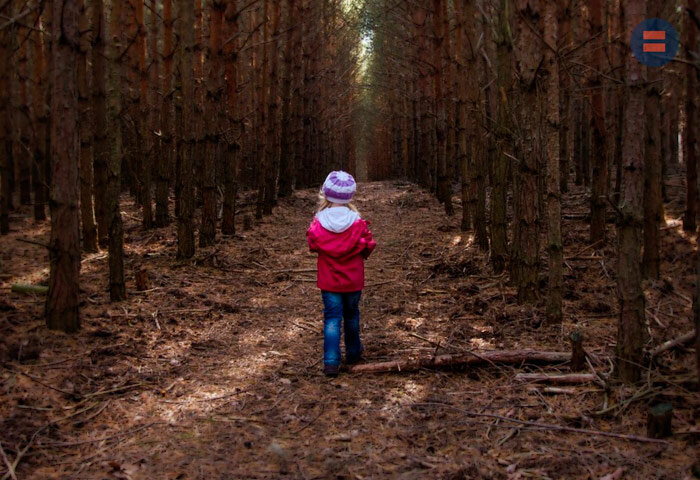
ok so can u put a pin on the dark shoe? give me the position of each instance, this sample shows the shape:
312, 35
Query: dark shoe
331, 370
353, 360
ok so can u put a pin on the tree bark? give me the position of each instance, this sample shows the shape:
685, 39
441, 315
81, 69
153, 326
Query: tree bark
631, 330
62, 310
40, 120
689, 133
5, 115
207, 229
272, 145
166, 158
261, 94
599, 187
115, 229
499, 185
87, 209
231, 56
653, 202
443, 183
143, 132
529, 56
101, 147
287, 152
555, 248
462, 99
185, 228
151, 111
506, 357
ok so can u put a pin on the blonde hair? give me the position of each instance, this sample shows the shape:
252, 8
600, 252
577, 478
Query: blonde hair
324, 203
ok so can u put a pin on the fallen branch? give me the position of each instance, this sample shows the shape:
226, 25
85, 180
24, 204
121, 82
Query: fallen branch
676, 342
23, 288
462, 359
564, 379
11, 467
32, 242
545, 426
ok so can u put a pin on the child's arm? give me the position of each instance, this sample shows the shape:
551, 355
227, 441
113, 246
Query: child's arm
311, 238
370, 244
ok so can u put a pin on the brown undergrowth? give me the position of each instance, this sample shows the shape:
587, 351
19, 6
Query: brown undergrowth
214, 371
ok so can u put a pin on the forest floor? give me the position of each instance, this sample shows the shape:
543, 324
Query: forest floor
215, 372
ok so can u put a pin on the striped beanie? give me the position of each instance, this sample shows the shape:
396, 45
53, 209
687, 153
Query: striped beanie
339, 187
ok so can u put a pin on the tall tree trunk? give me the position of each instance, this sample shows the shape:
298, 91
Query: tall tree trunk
689, 134
653, 202
499, 186
462, 99
185, 227
272, 146
113, 177
146, 150
443, 180
101, 147
87, 209
481, 147
261, 94
40, 118
631, 330
599, 188
62, 311
228, 223
21, 116
552, 128
207, 230
5, 115
529, 56
166, 157
287, 152
155, 146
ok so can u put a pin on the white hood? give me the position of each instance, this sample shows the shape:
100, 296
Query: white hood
337, 219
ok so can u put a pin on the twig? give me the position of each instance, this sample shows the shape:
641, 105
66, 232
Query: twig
34, 379
32, 242
546, 426
20, 454
376, 284
323, 409
10, 468
100, 439
668, 345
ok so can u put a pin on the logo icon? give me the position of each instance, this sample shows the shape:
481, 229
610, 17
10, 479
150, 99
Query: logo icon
654, 42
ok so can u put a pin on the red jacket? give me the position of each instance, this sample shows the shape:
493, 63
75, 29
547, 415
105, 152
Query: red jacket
341, 256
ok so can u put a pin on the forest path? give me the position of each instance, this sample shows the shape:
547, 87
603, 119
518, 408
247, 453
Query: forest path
216, 372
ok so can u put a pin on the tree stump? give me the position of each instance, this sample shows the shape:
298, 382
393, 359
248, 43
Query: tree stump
578, 354
247, 223
659, 421
141, 279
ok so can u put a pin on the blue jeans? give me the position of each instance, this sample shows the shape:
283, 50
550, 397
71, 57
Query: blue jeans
338, 307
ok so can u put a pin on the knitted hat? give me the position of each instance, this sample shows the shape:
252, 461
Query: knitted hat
339, 187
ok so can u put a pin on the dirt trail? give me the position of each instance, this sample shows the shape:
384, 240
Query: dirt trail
215, 372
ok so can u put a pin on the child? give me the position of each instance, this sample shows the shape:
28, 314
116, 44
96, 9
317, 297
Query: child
343, 242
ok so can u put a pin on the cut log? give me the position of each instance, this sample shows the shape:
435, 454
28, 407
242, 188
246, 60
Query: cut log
141, 278
23, 288
676, 342
247, 223
505, 357
563, 379
659, 421
578, 355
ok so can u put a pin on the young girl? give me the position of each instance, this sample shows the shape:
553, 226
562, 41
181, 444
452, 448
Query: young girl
343, 242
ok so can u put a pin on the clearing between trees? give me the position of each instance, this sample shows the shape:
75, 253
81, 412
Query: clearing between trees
214, 369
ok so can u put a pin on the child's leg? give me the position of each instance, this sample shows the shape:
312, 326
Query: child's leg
332, 316
351, 315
